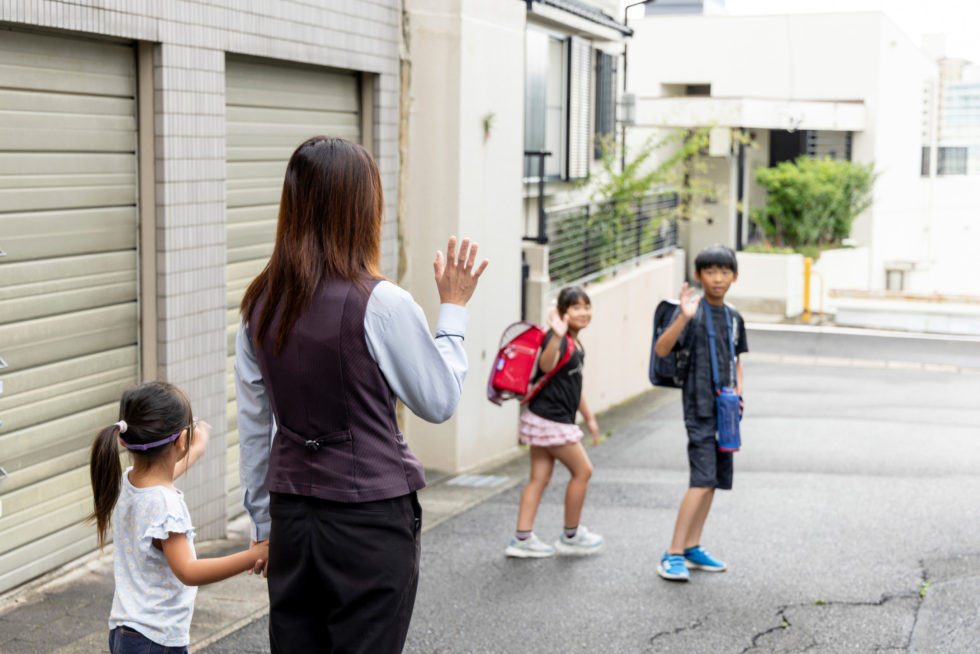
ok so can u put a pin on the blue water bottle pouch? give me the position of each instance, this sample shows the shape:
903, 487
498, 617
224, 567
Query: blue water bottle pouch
726, 402
726, 398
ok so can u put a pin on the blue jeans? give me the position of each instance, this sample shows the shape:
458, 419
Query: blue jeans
125, 640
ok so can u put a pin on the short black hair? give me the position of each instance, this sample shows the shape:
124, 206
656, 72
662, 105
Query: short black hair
716, 255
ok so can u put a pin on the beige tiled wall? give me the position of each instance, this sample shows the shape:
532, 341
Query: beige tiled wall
192, 37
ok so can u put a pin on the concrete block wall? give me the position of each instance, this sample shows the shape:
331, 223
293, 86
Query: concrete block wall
191, 39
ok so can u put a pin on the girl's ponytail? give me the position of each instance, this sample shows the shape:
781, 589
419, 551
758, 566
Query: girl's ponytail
106, 475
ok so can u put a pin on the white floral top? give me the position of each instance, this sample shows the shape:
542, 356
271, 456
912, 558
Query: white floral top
149, 598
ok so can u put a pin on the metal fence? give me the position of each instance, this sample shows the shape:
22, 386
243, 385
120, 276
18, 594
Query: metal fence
590, 240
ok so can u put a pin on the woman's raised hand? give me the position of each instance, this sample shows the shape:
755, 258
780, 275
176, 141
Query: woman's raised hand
689, 302
456, 277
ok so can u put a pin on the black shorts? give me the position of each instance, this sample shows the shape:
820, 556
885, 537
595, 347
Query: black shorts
709, 467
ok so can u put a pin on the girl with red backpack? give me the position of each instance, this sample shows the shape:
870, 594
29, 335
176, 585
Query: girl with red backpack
548, 427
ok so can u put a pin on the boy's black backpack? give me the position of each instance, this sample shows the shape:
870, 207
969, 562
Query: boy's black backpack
670, 370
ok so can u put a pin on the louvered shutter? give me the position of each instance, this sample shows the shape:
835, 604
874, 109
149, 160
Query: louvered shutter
68, 284
824, 143
579, 116
271, 108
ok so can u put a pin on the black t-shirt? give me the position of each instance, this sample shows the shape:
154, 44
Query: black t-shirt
699, 387
558, 399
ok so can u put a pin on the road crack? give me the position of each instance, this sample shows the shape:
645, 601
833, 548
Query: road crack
679, 630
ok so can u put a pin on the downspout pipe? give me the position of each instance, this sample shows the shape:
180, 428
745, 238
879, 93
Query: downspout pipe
740, 197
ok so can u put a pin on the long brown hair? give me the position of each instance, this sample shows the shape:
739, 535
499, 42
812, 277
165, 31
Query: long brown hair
329, 226
151, 411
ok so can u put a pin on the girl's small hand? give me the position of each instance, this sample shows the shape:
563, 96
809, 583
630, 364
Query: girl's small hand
262, 562
202, 434
558, 324
593, 426
195, 449
689, 303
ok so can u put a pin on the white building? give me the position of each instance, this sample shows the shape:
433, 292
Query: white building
489, 81
950, 174
845, 84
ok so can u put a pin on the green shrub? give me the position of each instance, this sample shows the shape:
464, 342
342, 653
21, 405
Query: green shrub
812, 202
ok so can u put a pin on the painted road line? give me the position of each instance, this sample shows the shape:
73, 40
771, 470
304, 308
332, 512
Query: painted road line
842, 362
857, 331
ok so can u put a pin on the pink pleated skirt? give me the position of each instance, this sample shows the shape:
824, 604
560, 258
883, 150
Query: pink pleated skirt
541, 432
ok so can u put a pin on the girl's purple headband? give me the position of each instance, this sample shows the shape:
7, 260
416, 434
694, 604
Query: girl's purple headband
144, 446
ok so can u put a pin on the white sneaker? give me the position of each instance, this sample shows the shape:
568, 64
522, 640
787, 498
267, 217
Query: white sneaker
529, 548
582, 543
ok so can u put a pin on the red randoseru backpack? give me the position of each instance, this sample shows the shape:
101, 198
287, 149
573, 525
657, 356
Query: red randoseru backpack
517, 361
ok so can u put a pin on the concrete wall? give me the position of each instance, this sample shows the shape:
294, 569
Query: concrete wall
835, 270
617, 342
190, 41
465, 181
768, 283
774, 283
884, 310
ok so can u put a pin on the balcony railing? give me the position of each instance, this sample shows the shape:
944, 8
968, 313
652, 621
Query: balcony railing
590, 240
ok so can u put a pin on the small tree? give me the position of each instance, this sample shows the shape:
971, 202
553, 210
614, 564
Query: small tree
622, 191
813, 202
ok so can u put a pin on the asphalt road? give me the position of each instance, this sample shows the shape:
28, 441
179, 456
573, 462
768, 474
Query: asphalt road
854, 524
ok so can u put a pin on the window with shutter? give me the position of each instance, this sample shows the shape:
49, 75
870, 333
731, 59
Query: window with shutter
546, 103
579, 91
557, 110
605, 100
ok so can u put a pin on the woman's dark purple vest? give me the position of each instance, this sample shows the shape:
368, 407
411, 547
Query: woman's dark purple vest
337, 436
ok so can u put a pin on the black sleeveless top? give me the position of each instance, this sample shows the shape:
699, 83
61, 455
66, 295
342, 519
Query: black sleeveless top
558, 400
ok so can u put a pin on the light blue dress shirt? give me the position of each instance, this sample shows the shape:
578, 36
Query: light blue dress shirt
426, 373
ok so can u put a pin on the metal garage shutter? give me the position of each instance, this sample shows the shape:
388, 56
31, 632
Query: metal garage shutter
271, 109
68, 284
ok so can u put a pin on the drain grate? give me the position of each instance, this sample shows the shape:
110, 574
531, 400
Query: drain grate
478, 481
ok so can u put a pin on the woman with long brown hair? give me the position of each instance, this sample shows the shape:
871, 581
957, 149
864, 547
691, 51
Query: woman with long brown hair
325, 347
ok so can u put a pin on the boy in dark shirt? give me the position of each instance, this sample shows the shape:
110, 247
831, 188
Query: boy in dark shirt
715, 269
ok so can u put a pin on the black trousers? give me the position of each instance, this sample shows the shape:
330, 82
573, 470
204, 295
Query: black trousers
342, 577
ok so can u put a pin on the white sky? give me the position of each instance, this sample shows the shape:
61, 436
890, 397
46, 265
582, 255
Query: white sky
958, 19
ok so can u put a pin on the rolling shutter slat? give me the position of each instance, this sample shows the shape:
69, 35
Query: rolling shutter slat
270, 109
68, 283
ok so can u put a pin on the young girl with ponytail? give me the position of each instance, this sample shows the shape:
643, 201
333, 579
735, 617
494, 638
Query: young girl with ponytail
155, 566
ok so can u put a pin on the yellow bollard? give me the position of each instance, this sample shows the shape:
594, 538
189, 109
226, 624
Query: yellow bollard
807, 265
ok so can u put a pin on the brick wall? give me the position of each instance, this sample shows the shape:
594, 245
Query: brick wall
191, 40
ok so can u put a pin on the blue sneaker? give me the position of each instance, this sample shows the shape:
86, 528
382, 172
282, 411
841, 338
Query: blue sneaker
672, 567
696, 557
